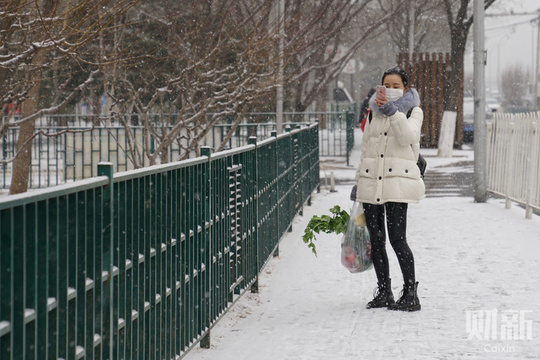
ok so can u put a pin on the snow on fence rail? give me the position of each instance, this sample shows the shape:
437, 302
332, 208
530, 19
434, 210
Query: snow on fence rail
513, 159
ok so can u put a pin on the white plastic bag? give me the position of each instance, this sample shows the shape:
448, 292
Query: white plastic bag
355, 244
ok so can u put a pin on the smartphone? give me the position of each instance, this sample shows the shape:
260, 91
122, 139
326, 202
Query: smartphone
381, 89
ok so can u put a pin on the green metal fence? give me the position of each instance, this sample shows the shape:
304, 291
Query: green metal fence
142, 264
351, 124
73, 155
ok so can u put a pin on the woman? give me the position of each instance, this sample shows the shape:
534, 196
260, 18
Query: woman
388, 179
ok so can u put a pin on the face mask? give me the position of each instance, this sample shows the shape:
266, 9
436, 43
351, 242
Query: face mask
394, 94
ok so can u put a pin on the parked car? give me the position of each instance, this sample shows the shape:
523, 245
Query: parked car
468, 118
493, 104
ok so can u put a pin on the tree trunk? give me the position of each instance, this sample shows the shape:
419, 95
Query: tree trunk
459, 30
299, 105
21, 165
164, 155
322, 100
457, 54
455, 81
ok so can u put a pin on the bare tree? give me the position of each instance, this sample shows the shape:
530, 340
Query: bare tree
33, 58
222, 57
37, 39
516, 80
236, 67
429, 25
315, 32
460, 19
179, 67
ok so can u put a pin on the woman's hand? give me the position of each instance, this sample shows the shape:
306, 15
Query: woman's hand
386, 106
380, 102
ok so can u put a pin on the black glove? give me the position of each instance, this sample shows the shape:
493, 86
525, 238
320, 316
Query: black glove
353, 193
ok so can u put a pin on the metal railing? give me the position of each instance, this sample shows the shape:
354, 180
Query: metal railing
142, 264
74, 155
513, 159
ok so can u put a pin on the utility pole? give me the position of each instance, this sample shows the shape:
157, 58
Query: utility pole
480, 184
537, 68
411, 28
279, 90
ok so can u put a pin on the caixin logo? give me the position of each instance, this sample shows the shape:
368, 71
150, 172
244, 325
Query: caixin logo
498, 325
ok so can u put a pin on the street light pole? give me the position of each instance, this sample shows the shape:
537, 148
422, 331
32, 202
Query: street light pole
480, 185
279, 90
411, 28
537, 66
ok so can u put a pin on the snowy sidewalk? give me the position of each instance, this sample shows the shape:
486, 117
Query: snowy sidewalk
476, 263
471, 260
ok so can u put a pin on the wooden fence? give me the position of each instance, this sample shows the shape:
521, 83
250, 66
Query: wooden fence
429, 74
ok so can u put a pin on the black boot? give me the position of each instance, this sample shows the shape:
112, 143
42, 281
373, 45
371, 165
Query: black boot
408, 300
383, 296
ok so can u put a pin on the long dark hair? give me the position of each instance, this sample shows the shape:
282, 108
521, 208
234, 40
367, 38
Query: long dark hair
397, 71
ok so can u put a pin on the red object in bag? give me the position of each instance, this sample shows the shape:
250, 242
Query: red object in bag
349, 257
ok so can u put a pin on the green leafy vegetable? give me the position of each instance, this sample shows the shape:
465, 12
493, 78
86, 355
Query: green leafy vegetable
327, 224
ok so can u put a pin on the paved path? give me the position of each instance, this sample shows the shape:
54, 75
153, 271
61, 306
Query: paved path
472, 260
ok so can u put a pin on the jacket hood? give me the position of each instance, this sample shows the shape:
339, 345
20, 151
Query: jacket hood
409, 100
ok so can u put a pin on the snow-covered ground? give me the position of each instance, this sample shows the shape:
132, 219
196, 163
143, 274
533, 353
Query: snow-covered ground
477, 264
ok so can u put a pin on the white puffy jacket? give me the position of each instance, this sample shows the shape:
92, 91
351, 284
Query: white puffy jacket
388, 170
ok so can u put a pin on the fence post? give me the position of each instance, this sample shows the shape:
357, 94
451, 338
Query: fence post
255, 286
532, 164
278, 210
510, 161
206, 151
289, 175
106, 169
349, 118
